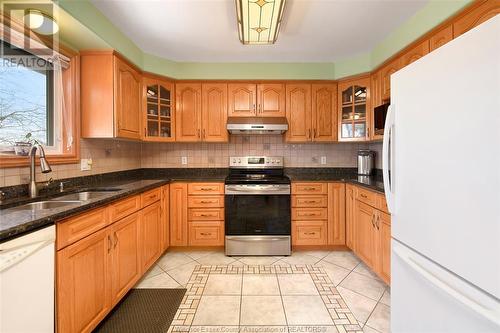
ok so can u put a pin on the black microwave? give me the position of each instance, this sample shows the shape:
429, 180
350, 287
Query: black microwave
379, 115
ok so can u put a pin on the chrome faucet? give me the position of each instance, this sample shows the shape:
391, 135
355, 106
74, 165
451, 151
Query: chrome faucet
44, 166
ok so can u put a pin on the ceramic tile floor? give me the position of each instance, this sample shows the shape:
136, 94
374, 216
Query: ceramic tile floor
271, 302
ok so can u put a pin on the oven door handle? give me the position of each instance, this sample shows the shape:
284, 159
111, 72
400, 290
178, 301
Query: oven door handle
261, 190
256, 239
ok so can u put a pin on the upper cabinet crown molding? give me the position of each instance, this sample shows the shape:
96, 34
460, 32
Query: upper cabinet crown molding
110, 96
415, 53
476, 16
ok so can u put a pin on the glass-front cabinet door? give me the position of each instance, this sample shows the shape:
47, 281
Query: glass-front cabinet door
158, 113
354, 99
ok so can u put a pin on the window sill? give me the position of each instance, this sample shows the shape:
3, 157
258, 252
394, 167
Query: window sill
24, 161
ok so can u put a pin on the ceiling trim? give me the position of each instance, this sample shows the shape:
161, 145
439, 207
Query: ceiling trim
431, 15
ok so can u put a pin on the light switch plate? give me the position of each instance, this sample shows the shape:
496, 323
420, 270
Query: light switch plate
184, 160
323, 159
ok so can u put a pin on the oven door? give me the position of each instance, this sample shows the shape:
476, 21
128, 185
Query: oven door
257, 210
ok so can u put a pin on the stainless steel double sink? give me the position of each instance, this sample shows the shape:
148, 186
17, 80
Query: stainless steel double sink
67, 199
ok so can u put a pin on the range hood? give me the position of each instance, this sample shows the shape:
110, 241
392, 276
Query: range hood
256, 125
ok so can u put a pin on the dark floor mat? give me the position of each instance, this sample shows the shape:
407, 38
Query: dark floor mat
143, 310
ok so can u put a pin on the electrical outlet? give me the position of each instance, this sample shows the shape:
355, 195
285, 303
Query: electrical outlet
323, 159
86, 164
184, 160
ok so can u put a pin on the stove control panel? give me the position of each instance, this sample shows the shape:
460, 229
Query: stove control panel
256, 162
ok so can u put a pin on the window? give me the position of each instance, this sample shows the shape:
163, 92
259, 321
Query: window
26, 102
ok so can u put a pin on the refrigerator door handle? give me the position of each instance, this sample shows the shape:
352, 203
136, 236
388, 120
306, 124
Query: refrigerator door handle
388, 158
491, 314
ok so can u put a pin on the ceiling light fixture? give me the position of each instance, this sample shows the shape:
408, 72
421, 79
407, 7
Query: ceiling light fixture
259, 21
40, 22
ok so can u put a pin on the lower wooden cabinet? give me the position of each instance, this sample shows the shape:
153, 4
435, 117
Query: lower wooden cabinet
165, 218
349, 216
336, 214
371, 227
125, 256
83, 283
206, 233
98, 268
151, 226
178, 214
309, 233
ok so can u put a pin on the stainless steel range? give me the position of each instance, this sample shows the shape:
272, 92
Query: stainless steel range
257, 206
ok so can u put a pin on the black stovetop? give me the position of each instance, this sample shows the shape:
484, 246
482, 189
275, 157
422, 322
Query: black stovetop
257, 176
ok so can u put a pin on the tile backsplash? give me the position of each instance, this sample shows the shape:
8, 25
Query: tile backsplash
114, 155
199, 155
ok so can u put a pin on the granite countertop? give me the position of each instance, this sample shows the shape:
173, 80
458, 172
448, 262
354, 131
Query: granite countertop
15, 222
336, 174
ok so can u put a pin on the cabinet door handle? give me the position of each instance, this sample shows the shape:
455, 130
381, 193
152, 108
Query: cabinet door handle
205, 233
309, 188
310, 214
207, 201
315, 133
310, 201
116, 240
254, 109
373, 221
110, 245
363, 196
198, 133
205, 189
260, 108
378, 222
309, 233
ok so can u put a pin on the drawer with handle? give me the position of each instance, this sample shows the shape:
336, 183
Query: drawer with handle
206, 234
75, 228
205, 188
309, 233
147, 198
309, 214
309, 201
366, 196
124, 208
208, 201
206, 214
309, 188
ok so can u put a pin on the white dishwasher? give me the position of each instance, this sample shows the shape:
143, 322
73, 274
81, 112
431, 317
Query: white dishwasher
27, 283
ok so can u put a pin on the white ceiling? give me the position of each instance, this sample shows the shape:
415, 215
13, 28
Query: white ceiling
206, 30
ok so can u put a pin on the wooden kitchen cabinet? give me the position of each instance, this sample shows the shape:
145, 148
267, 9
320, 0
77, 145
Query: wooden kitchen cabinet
151, 238
354, 106
111, 99
364, 217
384, 246
385, 73
256, 100
165, 218
125, 259
178, 214
441, 37
311, 112
324, 112
83, 283
415, 53
336, 214
271, 100
298, 112
476, 16
375, 100
158, 109
214, 112
349, 217
188, 112
201, 113
242, 99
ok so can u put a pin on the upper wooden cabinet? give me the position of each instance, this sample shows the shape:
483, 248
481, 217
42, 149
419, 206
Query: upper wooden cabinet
188, 112
242, 99
110, 96
324, 112
271, 100
311, 112
476, 16
440, 38
354, 106
298, 112
158, 115
261, 100
214, 112
201, 113
385, 78
415, 53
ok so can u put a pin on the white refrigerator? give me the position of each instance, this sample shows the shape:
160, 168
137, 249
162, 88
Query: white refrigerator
441, 161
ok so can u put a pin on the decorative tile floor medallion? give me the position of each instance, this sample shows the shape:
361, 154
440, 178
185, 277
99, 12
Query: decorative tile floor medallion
321, 310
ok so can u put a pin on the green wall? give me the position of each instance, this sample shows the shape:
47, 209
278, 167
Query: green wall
105, 33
